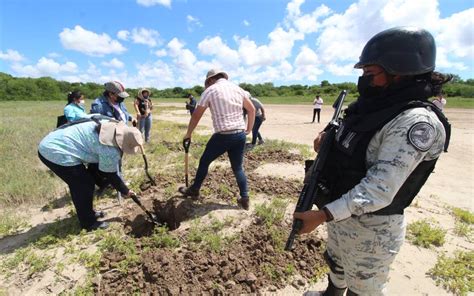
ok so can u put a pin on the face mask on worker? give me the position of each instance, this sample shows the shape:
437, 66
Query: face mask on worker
366, 89
81, 102
120, 99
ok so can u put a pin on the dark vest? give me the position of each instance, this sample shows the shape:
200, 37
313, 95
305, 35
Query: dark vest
346, 163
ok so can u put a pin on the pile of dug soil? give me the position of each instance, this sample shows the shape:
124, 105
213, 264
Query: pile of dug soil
252, 263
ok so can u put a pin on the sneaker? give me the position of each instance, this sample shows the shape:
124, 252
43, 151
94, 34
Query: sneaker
99, 214
188, 191
260, 142
244, 203
98, 225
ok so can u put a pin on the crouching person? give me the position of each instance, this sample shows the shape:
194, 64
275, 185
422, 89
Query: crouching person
66, 151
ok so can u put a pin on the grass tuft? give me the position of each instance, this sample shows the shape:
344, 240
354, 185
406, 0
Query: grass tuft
423, 233
455, 274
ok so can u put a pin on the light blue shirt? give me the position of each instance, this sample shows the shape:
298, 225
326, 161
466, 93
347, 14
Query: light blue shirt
79, 144
74, 112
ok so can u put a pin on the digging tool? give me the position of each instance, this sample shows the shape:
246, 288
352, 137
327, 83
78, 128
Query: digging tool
152, 217
146, 166
186, 144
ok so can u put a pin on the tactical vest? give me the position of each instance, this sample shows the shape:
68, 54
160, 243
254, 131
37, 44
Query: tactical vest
346, 163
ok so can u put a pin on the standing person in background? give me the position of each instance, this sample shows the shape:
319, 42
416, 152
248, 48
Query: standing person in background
386, 147
191, 105
440, 101
143, 106
226, 100
317, 105
75, 109
111, 104
259, 119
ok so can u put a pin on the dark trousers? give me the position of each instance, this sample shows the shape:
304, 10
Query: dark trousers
256, 127
218, 144
81, 186
316, 111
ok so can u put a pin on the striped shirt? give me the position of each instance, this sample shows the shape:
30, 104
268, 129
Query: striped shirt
225, 99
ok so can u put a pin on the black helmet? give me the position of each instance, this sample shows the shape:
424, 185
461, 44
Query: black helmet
400, 51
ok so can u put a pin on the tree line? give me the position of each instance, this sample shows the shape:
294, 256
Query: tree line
46, 88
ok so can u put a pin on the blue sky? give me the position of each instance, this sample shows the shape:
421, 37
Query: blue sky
167, 43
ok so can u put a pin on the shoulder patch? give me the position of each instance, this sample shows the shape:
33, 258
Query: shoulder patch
421, 135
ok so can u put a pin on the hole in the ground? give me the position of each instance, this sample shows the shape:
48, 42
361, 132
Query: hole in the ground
169, 213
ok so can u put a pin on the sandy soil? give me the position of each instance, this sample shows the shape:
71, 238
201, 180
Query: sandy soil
452, 181
451, 184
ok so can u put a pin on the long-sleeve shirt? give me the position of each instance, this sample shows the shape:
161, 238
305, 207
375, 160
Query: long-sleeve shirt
74, 112
391, 158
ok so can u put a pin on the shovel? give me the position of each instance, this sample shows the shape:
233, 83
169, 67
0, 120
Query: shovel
186, 144
146, 167
152, 217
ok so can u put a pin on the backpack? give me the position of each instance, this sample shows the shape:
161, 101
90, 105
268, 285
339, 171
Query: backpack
61, 120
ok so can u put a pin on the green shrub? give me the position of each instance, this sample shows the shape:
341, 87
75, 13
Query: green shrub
455, 274
272, 213
161, 238
463, 215
423, 233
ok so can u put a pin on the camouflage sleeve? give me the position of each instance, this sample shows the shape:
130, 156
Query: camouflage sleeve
393, 153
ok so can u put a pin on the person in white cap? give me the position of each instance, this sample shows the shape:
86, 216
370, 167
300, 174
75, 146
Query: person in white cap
110, 103
225, 100
66, 151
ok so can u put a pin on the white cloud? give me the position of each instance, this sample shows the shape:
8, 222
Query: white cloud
160, 53
114, 63
123, 35
89, 43
145, 36
184, 62
246, 23
344, 35
11, 56
279, 48
45, 67
307, 65
193, 23
148, 3
214, 46
53, 55
456, 35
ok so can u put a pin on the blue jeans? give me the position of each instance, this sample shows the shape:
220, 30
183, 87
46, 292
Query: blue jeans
145, 124
218, 144
256, 127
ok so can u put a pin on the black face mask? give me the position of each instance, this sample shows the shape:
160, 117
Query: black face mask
366, 89
120, 99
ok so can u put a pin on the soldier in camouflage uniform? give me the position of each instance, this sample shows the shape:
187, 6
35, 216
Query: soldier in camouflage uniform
387, 145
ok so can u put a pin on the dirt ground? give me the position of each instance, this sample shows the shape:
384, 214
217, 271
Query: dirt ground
236, 251
451, 184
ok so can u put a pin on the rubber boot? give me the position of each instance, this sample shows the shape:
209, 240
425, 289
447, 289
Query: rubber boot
332, 290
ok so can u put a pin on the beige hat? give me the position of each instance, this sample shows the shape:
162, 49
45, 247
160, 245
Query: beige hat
214, 72
141, 91
128, 139
117, 88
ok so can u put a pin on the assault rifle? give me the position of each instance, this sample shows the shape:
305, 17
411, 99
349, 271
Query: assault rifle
309, 193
